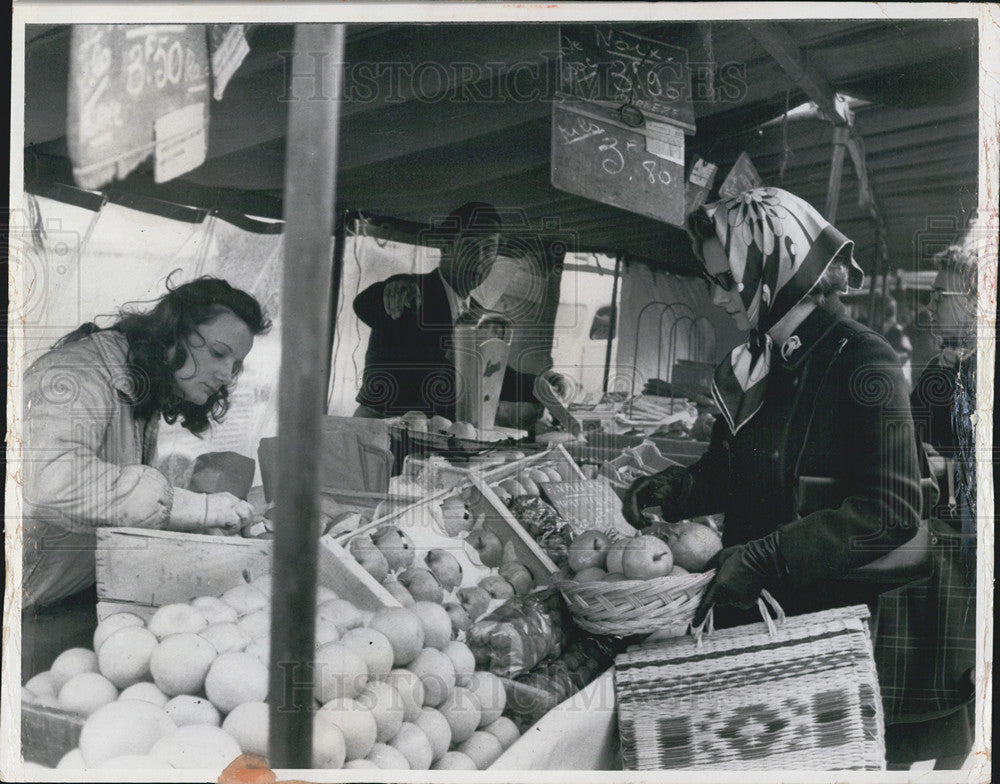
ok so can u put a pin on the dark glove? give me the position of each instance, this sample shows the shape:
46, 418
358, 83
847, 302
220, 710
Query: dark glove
741, 573
668, 490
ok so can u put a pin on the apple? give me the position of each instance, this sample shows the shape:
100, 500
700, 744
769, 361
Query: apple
445, 567
404, 630
460, 620
616, 550
369, 557
589, 549
410, 689
504, 730
341, 613
678, 570
386, 706
592, 574
513, 487
422, 584
530, 488
538, 476
456, 516
340, 672
496, 586
436, 673
463, 660
553, 473
178, 619
616, 577
372, 646
488, 545
518, 575
482, 748
646, 557
439, 424
491, 693
436, 622
413, 743
213, 609
326, 631
355, 721
463, 430
437, 729
463, 712
503, 494
396, 546
475, 600
455, 760
416, 421
692, 544
399, 591
243, 598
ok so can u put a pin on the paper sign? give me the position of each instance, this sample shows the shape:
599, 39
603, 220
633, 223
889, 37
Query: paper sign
229, 48
742, 177
588, 504
123, 79
699, 184
665, 141
181, 142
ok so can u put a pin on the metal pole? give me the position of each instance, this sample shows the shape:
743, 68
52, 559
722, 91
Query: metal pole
310, 169
836, 171
612, 321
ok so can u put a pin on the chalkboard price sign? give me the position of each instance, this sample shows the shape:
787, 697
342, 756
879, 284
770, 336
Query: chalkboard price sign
604, 160
124, 79
602, 64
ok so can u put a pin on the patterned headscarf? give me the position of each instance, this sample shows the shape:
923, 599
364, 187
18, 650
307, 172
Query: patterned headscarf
778, 247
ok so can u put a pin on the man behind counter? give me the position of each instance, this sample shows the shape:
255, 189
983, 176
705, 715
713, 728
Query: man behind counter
408, 365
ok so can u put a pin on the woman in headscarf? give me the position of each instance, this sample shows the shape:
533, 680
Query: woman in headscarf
813, 460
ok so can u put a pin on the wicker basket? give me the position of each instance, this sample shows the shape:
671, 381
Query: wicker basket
663, 604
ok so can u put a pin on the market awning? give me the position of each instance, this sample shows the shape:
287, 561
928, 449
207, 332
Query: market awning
439, 114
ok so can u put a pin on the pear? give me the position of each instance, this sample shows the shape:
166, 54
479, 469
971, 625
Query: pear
518, 575
445, 567
395, 545
475, 600
398, 590
460, 620
488, 545
422, 584
496, 586
456, 516
370, 557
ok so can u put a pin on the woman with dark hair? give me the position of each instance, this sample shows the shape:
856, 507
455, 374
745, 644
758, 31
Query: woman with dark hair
91, 412
813, 460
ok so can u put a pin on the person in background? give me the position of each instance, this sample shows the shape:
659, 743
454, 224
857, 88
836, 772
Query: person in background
895, 334
92, 407
944, 395
407, 363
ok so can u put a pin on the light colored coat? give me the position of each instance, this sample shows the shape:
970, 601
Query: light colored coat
86, 463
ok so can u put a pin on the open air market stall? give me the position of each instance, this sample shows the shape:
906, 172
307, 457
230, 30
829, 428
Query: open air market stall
467, 593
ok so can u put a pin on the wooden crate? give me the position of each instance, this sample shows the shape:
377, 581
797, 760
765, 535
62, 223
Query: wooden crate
419, 521
47, 734
139, 570
556, 456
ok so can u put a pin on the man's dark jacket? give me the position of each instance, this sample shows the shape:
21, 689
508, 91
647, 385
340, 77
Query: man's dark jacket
407, 367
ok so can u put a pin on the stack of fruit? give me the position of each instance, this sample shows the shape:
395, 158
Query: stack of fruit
433, 571
418, 422
669, 549
188, 688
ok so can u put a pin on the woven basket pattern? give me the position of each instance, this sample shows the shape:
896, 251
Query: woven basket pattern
804, 698
635, 606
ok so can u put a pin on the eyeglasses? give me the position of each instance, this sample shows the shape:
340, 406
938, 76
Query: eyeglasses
724, 280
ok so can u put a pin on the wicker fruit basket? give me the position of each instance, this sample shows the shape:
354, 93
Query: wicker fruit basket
663, 604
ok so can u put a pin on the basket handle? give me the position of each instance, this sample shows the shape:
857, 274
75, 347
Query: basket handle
766, 603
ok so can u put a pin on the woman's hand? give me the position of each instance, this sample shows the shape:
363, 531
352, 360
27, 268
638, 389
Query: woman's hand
669, 490
741, 572
228, 513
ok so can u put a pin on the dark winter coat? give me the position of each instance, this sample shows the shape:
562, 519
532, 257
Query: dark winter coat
836, 411
406, 364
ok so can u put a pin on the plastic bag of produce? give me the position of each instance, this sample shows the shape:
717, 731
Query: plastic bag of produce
545, 525
520, 633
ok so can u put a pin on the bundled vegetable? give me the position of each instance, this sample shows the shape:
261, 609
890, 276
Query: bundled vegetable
545, 525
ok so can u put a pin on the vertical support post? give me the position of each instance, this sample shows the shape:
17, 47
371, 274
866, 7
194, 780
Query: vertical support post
836, 171
310, 169
339, 241
612, 320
